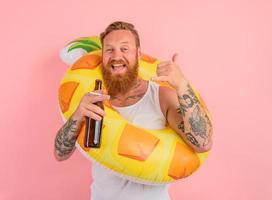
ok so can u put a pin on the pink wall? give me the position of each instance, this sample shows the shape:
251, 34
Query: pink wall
226, 51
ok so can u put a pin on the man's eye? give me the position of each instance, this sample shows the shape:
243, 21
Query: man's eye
124, 49
108, 50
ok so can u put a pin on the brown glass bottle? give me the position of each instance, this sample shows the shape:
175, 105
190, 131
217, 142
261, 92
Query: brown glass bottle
94, 128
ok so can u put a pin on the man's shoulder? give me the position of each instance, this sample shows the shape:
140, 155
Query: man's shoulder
166, 90
168, 97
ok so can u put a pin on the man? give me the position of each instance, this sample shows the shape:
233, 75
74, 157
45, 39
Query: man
130, 95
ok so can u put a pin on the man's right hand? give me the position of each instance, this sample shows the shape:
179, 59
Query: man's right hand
87, 107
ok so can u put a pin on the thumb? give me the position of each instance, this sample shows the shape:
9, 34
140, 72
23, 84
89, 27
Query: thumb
175, 58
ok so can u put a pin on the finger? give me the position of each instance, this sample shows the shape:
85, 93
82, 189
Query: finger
175, 58
92, 115
160, 78
162, 72
94, 108
93, 98
100, 91
95, 93
163, 64
162, 68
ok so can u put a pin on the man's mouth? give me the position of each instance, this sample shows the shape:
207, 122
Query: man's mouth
119, 67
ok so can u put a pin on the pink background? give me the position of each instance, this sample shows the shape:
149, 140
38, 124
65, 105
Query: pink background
226, 51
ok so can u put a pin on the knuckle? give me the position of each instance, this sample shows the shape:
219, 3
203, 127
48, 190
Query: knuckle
82, 110
90, 114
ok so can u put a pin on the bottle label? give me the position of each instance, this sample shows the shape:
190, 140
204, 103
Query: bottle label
96, 132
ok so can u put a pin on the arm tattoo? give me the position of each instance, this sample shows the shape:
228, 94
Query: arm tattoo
182, 109
181, 126
192, 94
192, 139
66, 138
189, 136
198, 123
187, 101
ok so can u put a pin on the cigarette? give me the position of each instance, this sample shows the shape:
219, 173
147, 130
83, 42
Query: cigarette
95, 93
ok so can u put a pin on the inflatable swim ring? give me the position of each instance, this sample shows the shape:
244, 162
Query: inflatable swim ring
141, 155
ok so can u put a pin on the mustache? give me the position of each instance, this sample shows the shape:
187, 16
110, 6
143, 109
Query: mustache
119, 61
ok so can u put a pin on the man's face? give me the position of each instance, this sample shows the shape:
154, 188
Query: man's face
120, 61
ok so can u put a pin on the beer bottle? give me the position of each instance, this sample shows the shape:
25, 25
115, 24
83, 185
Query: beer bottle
94, 128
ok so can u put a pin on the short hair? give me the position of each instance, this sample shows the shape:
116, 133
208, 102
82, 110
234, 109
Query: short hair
119, 25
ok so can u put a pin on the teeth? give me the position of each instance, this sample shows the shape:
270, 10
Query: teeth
118, 65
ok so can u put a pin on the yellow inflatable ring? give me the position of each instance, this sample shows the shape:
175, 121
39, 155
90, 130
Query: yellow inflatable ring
145, 156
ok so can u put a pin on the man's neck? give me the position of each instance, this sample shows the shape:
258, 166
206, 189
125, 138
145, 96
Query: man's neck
134, 94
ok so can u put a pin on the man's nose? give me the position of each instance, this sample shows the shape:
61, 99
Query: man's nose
117, 54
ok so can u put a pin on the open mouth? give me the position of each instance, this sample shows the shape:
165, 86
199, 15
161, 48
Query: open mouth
119, 67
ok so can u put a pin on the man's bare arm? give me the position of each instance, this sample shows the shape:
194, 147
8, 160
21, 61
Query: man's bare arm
66, 139
182, 108
186, 116
196, 125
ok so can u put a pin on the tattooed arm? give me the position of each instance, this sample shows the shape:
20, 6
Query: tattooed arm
196, 124
66, 139
187, 117
182, 108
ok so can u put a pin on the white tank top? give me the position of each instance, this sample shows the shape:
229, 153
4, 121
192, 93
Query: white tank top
145, 113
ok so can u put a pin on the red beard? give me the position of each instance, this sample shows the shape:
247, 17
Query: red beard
120, 83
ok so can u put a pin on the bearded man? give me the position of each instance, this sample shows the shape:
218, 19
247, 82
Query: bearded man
143, 103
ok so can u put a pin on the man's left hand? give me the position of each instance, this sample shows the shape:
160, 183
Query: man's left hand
170, 71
